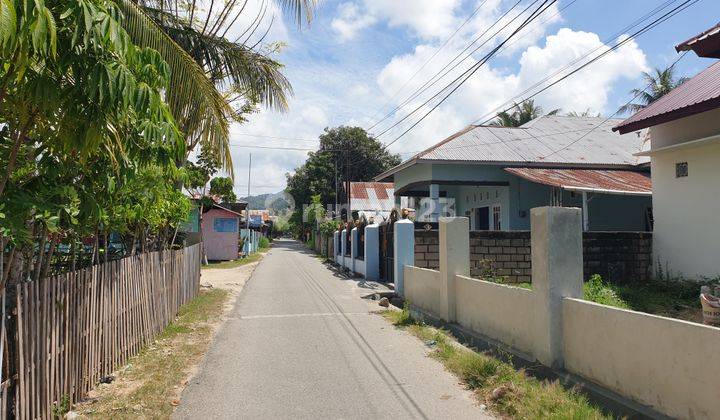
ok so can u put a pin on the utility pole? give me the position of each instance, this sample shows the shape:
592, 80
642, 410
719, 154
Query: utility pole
247, 209
335, 210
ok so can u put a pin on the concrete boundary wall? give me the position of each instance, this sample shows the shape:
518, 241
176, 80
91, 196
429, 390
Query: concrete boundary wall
667, 366
619, 257
671, 365
369, 267
422, 288
495, 310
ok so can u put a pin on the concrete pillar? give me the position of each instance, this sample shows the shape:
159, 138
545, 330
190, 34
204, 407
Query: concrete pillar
372, 252
354, 241
434, 202
454, 260
336, 245
343, 247
557, 272
403, 251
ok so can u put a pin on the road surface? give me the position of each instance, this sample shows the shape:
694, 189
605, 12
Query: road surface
300, 343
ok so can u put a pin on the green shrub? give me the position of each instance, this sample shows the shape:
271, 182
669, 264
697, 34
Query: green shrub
329, 227
596, 290
264, 243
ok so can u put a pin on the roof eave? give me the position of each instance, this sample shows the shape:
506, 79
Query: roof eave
687, 111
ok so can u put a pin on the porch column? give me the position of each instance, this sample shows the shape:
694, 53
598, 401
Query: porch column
585, 212
435, 202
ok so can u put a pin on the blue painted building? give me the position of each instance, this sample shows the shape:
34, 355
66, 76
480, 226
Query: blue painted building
495, 175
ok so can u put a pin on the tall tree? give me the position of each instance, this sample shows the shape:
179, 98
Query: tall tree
522, 113
659, 83
345, 154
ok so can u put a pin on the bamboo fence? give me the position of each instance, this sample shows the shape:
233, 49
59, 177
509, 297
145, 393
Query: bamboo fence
76, 328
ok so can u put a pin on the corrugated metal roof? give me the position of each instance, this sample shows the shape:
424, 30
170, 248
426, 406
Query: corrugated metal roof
699, 94
704, 44
549, 139
607, 181
372, 196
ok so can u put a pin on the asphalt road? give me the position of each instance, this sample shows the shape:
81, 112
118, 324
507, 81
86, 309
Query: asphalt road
300, 343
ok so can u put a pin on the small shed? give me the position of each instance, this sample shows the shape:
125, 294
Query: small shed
220, 232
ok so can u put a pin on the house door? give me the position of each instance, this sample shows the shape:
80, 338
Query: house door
482, 218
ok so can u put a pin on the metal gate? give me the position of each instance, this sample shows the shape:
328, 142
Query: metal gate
348, 238
387, 253
361, 225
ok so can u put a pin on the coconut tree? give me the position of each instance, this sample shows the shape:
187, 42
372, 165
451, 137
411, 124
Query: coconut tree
659, 83
214, 80
521, 113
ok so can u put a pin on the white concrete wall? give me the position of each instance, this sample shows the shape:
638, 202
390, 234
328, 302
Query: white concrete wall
687, 228
359, 266
422, 288
670, 365
500, 312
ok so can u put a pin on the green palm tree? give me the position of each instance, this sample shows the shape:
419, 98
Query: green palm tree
659, 83
522, 113
208, 73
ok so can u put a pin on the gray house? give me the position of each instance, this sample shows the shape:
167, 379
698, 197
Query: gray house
495, 175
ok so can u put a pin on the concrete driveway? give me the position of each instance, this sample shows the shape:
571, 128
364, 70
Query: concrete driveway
300, 343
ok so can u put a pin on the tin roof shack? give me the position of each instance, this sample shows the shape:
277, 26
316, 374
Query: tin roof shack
684, 128
373, 200
220, 233
495, 175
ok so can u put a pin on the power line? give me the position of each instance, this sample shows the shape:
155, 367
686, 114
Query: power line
537, 12
504, 107
437, 50
432, 79
470, 70
275, 137
612, 115
644, 29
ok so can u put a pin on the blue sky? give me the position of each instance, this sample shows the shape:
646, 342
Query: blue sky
347, 64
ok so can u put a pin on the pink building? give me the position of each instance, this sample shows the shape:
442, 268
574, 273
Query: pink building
220, 233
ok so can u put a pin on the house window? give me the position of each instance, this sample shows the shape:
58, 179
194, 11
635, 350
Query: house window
496, 218
225, 224
681, 169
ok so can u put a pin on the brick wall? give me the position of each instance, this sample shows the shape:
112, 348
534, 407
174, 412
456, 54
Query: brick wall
619, 257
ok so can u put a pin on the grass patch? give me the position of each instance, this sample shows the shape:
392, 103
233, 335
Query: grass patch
671, 298
149, 386
235, 263
505, 390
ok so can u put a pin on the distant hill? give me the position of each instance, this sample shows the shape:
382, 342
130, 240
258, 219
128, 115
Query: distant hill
275, 201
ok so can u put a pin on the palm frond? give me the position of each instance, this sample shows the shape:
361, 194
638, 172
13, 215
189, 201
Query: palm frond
200, 110
298, 8
228, 64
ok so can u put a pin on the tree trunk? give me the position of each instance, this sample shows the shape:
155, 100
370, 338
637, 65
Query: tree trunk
17, 142
40, 254
107, 247
48, 258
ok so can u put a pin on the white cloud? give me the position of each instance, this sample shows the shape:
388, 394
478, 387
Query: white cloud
427, 19
350, 21
588, 88
344, 95
491, 86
